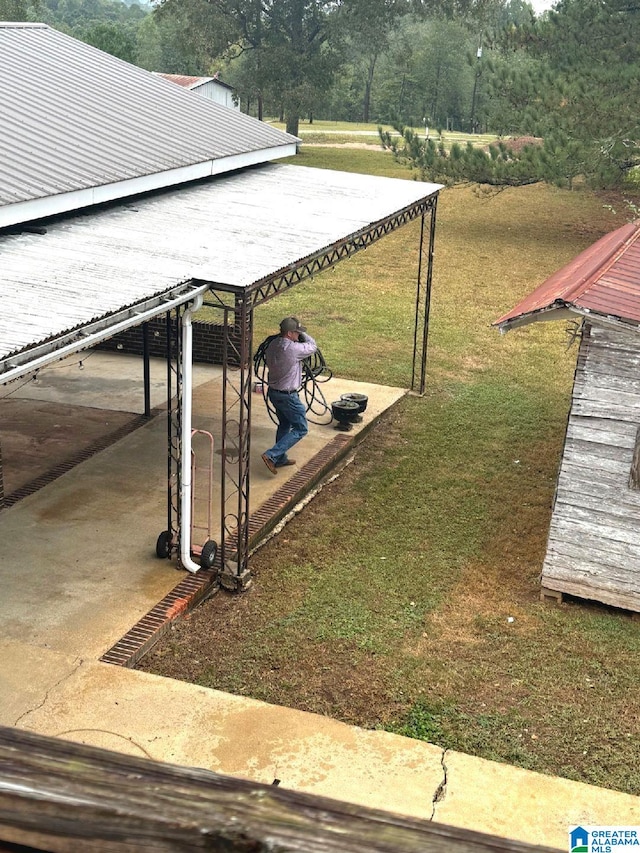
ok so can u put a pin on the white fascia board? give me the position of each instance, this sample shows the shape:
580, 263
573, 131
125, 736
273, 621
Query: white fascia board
542, 316
42, 208
568, 312
93, 333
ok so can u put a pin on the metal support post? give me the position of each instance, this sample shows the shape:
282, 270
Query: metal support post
174, 425
236, 441
146, 370
423, 301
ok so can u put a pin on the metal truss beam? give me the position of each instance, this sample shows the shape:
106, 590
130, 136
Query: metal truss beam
237, 306
264, 290
174, 427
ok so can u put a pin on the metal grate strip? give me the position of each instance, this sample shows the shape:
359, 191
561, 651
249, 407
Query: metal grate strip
62, 467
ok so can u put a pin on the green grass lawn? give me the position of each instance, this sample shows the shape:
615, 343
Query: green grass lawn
406, 595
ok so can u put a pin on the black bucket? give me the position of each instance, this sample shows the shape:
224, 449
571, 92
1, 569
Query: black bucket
345, 411
360, 399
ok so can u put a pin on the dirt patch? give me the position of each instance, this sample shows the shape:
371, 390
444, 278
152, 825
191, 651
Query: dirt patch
519, 143
37, 436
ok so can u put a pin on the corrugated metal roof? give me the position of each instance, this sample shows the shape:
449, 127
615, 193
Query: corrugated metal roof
234, 231
74, 117
604, 281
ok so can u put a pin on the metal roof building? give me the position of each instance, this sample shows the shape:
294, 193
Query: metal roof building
123, 198
209, 87
593, 549
125, 263
80, 127
189, 82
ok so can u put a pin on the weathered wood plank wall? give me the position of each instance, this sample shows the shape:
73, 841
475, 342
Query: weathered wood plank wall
593, 549
69, 798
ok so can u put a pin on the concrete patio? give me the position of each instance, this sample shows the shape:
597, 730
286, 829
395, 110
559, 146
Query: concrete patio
78, 570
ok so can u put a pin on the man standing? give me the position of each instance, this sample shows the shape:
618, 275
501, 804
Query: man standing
284, 358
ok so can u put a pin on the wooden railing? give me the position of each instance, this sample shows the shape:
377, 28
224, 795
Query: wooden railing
69, 798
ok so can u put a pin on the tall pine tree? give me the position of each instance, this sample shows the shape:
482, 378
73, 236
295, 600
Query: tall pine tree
571, 79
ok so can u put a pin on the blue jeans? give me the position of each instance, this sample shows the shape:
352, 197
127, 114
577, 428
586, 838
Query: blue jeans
292, 424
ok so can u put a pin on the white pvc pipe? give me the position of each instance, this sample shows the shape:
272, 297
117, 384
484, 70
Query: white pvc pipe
185, 461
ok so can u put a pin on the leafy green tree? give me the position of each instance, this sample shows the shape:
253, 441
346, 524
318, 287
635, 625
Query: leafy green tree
292, 37
113, 38
425, 76
168, 42
149, 47
368, 26
19, 10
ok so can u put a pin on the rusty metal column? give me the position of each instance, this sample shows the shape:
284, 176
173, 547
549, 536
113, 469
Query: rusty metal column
174, 365
236, 443
423, 302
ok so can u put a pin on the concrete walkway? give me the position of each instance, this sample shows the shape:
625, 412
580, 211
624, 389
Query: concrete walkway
78, 570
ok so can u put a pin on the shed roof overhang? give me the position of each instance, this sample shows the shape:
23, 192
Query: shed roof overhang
601, 283
254, 232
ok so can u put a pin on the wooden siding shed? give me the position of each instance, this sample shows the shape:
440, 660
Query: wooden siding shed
593, 548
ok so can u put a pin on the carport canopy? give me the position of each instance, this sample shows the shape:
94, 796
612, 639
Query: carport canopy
70, 282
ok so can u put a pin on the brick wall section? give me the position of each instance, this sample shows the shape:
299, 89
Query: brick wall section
207, 341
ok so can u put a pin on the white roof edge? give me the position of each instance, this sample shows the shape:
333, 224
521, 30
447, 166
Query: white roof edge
544, 315
567, 312
41, 208
76, 341
20, 24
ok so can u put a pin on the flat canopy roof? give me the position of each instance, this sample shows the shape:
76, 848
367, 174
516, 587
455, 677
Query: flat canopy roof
94, 273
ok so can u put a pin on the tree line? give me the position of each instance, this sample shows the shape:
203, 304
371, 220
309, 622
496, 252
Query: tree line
566, 80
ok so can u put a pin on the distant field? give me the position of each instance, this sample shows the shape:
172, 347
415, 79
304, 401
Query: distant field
343, 132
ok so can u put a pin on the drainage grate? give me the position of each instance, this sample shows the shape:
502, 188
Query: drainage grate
58, 470
281, 502
192, 589
148, 630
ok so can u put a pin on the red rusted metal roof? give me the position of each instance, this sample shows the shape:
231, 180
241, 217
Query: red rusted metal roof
184, 80
603, 280
192, 82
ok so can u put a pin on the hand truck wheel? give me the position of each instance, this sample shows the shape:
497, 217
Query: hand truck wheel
208, 555
163, 545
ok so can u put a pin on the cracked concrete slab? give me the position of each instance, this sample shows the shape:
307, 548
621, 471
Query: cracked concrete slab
526, 806
147, 715
78, 570
27, 674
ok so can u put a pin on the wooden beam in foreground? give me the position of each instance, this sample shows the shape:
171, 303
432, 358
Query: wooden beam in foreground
70, 798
